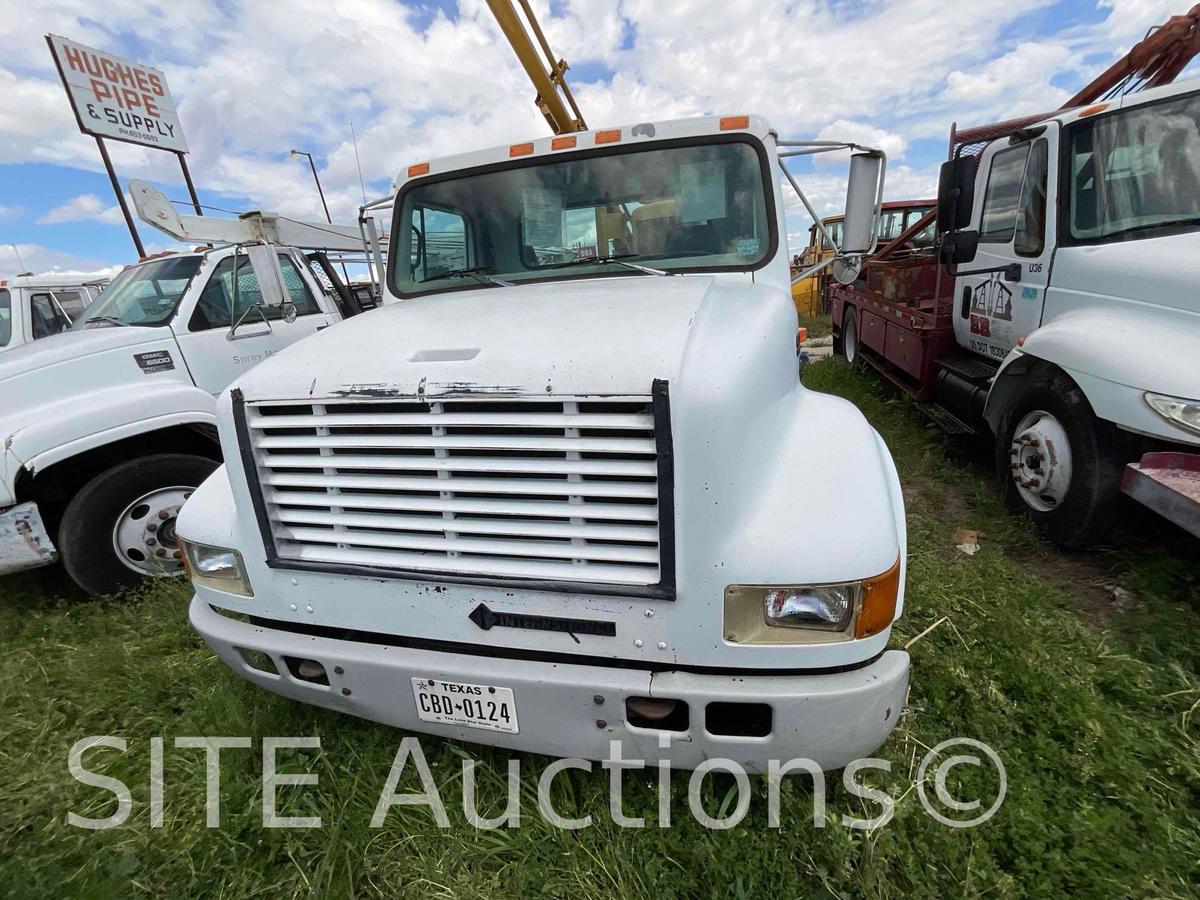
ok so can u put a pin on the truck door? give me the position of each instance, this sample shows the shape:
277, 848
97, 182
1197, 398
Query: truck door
216, 351
1013, 184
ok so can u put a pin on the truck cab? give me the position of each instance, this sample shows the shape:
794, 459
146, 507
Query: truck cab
556, 498
33, 307
1064, 317
110, 425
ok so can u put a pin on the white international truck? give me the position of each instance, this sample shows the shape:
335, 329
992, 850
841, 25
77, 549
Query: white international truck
107, 427
1061, 314
571, 489
33, 307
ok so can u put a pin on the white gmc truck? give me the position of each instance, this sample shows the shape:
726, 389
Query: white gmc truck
107, 427
571, 490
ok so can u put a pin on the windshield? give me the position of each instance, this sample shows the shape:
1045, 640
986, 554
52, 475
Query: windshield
142, 295
1136, 170
681, 208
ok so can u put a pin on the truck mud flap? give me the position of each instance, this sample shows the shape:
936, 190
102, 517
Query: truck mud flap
24, 543
1169, 484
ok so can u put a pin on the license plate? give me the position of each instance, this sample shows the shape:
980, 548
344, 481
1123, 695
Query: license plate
474, 705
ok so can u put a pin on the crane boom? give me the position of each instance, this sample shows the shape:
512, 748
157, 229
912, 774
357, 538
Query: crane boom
548, 84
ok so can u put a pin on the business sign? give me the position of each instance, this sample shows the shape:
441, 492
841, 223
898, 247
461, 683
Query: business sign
117, 98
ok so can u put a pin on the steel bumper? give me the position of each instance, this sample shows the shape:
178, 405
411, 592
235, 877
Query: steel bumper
568, 710
24, 542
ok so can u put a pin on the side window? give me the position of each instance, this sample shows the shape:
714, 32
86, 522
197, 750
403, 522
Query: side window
1030, 237
217, 307
1003, 195
5, 317
438, 243
49, 317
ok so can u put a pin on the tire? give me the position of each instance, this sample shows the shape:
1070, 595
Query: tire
107, 514
850, 347
1077, 508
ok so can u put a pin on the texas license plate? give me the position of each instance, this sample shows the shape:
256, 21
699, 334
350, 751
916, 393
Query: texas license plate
474, 705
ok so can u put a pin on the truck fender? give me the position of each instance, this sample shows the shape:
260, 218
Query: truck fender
1114, 356
76, 425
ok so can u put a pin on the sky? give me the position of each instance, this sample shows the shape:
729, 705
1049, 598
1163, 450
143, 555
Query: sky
253, 79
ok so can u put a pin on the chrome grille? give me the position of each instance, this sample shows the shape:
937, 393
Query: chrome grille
561, 490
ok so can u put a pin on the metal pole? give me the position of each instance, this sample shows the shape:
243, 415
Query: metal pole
112, 176
312, 165
187, 177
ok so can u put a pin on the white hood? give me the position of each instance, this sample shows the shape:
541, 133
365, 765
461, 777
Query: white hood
607, 336
74, 346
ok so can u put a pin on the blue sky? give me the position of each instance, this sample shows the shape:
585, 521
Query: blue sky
252, 80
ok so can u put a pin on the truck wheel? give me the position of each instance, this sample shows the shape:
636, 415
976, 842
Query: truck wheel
850, 348
1055, 462
120, 527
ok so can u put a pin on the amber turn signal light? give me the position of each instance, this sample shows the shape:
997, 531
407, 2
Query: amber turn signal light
878, 602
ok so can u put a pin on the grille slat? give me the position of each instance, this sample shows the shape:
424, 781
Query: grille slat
626, 533
514, 488
637, 469
512, 507
458, 442
494, 567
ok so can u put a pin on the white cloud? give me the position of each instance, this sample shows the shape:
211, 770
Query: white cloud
42, 260
83, 208
254, 79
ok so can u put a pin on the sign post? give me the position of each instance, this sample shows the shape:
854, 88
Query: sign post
117, 98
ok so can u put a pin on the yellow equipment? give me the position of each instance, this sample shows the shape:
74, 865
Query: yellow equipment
547, 83
807, 292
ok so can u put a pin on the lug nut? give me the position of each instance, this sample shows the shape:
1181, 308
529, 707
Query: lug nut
162, 514
152, 527
175, 555
160, 552
150, 542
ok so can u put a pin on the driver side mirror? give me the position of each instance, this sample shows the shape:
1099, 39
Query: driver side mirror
959, 247
956, 194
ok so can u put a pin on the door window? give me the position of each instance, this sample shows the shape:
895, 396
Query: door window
218, 307
1003, 195
1030, 237
5, 317
54, 312
439, 243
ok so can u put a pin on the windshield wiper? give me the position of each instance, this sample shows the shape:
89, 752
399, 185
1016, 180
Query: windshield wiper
479, 273
113, 319
621, 259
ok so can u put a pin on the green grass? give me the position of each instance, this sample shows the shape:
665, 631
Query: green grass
818, 325
1091, 703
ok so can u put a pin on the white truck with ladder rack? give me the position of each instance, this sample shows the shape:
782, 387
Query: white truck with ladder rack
107, 427
563, 494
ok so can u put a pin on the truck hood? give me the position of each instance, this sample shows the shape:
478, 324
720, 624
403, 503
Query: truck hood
610, 336
1161, 271
75, 346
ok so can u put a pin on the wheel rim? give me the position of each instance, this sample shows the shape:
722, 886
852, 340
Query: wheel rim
850, 339
144, 534
1039, 460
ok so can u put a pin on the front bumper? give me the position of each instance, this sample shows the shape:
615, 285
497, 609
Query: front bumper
24, 542
831, 718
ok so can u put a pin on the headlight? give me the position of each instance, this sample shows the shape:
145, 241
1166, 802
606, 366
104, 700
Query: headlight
218, 568
1183, 413
813, 613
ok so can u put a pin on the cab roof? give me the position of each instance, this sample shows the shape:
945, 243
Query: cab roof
617, 137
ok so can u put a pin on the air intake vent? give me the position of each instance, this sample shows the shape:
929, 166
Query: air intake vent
568, 493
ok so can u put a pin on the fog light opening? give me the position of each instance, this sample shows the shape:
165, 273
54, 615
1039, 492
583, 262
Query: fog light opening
658, 713
307, 670
258, 661
738, 719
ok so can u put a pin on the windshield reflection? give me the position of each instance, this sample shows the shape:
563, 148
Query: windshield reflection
143, 295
